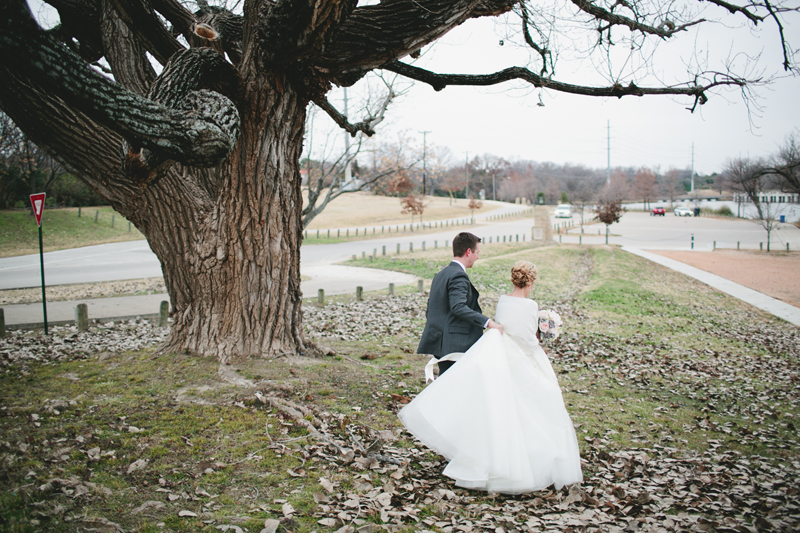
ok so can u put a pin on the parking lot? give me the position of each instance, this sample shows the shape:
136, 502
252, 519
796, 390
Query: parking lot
678, 233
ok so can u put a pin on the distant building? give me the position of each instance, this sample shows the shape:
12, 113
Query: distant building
772, 197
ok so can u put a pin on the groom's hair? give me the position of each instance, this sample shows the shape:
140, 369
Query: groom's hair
464, 241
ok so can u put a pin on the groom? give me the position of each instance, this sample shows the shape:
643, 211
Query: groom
454, 318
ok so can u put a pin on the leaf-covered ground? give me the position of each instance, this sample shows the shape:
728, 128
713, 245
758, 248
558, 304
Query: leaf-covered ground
685, 403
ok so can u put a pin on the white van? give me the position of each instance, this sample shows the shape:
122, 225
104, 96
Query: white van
563, 211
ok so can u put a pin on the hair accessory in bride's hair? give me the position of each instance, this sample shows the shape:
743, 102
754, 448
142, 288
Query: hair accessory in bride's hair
549, 325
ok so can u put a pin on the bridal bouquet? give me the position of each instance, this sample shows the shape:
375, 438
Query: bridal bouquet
549, 325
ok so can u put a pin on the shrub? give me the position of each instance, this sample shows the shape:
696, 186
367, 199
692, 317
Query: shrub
725, 211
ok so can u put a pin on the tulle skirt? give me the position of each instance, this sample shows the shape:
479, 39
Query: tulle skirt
499, 418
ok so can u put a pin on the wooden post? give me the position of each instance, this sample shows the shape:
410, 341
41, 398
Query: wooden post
420, 285
79, 211
391, 289
96, 214
423, 246
82, 317
359, 294
398, 248
384, 250
321, 297
2, 323
363, 253
411, 247
374, 252
112, 221
163, 314
413, 262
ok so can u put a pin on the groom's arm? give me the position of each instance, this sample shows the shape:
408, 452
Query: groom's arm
457, 293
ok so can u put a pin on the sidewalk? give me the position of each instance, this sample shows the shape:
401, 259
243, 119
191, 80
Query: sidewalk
333, 279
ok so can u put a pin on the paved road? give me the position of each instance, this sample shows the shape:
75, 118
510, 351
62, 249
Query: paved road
640, 230
135, 260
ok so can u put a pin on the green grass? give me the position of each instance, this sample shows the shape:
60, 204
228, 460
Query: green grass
647, 358
62, 229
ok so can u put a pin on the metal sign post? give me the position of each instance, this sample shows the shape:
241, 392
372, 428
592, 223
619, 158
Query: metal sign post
37, 201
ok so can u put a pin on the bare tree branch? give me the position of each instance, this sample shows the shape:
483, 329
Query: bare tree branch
733, 9
194, 136
787, 66
366, 126
142, 20
440, 81
665, 31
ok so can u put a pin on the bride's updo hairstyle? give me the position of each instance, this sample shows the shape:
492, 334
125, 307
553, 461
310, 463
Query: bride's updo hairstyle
523, 273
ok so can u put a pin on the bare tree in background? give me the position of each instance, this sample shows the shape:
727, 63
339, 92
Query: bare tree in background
609, 204
645, 185
787, 164
203, 157
671, 184
414, 205
474, 204
752, 178
583, 192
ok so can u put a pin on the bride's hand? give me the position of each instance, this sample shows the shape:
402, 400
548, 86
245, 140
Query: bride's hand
494, 325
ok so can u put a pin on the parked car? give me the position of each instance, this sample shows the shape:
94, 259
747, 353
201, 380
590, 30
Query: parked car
682, 212
658, 211
563, 211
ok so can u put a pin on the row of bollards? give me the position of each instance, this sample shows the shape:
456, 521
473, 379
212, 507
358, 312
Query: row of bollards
82, 317
491, 239
360, 292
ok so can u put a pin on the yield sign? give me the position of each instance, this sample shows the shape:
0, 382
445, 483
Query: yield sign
37, 201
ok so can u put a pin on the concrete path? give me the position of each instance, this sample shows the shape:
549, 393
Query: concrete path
333, 279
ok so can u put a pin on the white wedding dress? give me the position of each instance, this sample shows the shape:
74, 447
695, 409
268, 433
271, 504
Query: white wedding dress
497, 414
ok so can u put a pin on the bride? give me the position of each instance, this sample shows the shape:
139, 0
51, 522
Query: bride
497, 415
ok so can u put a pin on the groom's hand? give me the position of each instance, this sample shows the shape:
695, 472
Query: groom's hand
494, 325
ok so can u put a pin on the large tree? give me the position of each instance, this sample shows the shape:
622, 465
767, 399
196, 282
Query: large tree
202, 155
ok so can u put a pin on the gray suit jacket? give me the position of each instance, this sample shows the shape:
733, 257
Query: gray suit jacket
454, 318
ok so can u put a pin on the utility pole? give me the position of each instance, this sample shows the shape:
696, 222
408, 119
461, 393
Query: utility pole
424, 153
608, 148
348, 172
466, 175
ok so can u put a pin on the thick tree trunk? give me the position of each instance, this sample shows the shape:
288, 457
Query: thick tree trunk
228, 240
233, 268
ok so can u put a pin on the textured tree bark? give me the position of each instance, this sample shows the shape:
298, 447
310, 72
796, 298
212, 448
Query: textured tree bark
232, 268
228, 240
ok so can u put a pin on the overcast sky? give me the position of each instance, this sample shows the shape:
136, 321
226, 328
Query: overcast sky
507, 121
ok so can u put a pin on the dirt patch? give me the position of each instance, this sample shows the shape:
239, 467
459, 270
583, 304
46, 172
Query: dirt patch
773, 274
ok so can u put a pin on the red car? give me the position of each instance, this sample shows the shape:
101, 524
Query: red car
656, 211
